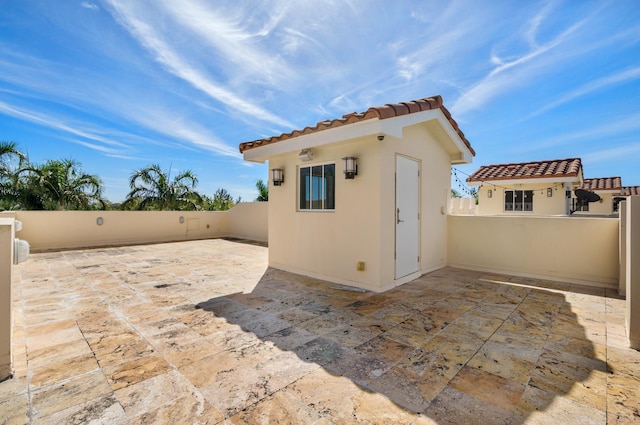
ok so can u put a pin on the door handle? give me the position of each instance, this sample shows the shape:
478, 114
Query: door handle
398, 221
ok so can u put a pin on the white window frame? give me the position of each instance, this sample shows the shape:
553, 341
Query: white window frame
513, 203
323, 191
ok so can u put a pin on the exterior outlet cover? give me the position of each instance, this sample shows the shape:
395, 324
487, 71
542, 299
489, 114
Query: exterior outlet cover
360, 266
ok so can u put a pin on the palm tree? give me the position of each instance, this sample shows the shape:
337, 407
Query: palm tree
59, 185
8, 151
8, 176
222, 200
263, 191
153, 189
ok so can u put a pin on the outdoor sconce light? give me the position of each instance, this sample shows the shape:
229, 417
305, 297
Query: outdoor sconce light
181, 219
277, 175
549, 192
99, 221
489, 193
305, 155
350, 167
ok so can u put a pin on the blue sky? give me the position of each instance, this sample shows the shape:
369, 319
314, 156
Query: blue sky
120, 84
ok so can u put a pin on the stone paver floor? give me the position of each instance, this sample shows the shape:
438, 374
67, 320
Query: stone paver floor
202, 332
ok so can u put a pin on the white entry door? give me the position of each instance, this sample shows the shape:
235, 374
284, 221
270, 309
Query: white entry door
407, 216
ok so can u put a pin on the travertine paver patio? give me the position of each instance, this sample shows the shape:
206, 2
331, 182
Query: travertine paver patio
203, 332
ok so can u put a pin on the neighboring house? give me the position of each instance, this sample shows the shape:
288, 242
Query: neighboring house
528, 188
607, 189
362, 200
625, 192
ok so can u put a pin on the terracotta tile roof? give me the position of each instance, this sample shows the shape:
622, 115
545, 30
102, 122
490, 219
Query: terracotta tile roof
389, 110
528, 170
603, 183
630, 191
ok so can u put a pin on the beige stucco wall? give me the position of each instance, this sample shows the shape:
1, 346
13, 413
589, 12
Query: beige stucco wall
54, 230
582, 250
602, 207
632, 270
6, 269
248, 220
418, 142
542, 204
462, 206
328, 245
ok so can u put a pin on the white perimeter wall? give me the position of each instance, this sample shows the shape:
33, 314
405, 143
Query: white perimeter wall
55, 230
571, 249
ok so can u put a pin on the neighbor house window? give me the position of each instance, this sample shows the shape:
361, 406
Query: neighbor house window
518, 200
317, 187
581, 204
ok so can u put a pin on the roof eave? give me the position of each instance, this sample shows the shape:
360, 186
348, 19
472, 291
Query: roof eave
527, 180
614, 191
367, 128
314, 140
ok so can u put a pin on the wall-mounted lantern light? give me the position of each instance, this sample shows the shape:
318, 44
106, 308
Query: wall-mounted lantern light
489, 193
350, 167
181, 219
99, 221
549, 192
277, 175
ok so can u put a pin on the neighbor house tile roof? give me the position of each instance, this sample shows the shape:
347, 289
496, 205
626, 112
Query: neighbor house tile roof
390, 110
528, 170
630, 191
603, 183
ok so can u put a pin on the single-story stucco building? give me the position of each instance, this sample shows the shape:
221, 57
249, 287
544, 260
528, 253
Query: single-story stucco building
543, 188
607, 189
527, 188
362, 200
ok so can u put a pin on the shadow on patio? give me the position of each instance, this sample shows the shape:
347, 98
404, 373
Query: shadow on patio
455, 346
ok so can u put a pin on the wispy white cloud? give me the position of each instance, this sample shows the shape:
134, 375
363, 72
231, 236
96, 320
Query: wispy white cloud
531, 32
515, 71
592, 86
621, 126
91, 6
188, 135
604, 155
73, 91
294, 39
232, 37
148, 37
444, 37
100, 148
55, 123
